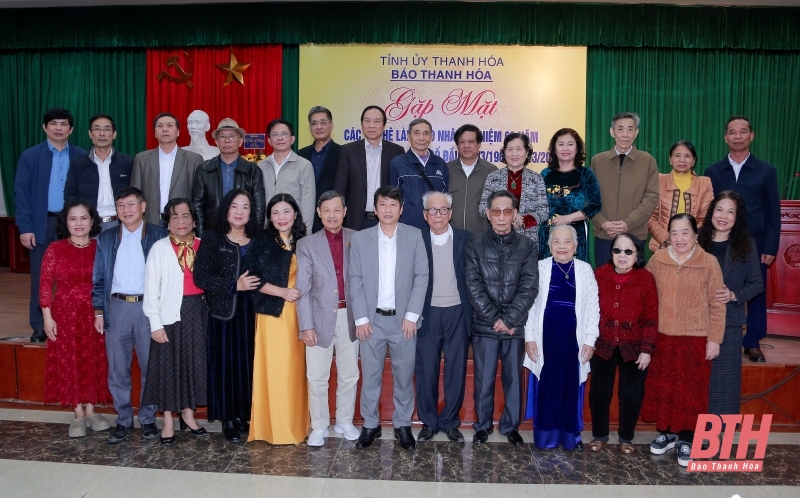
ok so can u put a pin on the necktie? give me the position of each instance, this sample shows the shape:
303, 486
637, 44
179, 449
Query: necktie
621, 158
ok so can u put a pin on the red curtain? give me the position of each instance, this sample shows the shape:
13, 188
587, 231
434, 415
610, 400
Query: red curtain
252, 105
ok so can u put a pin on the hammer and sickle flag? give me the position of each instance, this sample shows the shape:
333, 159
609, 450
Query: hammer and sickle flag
183, 76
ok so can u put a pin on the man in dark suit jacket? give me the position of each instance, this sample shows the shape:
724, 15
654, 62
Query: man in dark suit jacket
147, 167
363, 167
757, 182
446, 322
39, 197
323, 154
98, 176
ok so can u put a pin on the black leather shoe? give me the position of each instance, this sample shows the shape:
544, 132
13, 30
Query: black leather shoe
120, 433
242, 425
368, 436
482, 436
149, 431
514, 437
754, 354
167, 441
426, 434
455, 435
201, 431
231, 432
403, 434
39, 336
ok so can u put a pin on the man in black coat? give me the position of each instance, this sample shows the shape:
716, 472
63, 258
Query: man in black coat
98, 176
757, 182
323, 154
447, 318
503, 281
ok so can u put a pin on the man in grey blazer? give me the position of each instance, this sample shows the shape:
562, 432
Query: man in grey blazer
326, 321
388, 277
165, 172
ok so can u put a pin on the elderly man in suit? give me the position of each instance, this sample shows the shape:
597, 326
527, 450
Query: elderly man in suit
447, 318
165, 172
388, 276
363, 167
39, 197
323, 153
100, 174
322, 261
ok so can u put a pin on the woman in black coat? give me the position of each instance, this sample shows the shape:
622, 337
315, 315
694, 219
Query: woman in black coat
725, 235
219, 270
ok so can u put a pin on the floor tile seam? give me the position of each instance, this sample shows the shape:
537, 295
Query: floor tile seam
233, 458
536, 464
333, 461
130, 457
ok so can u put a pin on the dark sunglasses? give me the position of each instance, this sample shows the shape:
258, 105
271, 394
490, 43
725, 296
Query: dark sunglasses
627, 252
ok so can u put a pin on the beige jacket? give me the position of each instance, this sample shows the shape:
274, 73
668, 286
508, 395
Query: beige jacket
296, 178
697, 198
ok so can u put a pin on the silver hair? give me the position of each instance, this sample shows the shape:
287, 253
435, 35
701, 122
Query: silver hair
557, 227
427, 195
319, 108
415, 122
626, 115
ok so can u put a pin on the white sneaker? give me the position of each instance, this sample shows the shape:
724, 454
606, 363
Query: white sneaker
317, 438
77, 428
348, 430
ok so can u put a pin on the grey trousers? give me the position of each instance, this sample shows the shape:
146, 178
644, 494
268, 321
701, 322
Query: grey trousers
385, 334
128, 329
485, 354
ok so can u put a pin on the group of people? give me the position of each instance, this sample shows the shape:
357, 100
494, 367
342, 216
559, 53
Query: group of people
364, 247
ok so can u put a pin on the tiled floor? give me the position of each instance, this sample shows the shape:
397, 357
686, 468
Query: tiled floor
37, 458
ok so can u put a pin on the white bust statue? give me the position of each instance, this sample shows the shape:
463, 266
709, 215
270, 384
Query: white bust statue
198, 125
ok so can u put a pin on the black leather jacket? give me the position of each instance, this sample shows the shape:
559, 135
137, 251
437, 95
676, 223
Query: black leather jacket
207, 190
503, 281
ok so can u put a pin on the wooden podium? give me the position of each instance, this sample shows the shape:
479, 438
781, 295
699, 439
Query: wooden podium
783, 277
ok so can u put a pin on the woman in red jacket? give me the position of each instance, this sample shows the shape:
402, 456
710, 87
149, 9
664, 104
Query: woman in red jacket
628, 330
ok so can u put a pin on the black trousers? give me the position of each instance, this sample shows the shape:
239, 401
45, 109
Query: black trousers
485, 354
631, 394
37, 255
602, 253
446, 331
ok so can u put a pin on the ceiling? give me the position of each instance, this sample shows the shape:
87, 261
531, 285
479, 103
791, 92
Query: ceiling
84, 3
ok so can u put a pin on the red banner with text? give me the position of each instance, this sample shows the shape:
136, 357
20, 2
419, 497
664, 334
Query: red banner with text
203, 85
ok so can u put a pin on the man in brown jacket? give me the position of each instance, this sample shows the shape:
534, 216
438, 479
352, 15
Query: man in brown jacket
467, 177
628, 180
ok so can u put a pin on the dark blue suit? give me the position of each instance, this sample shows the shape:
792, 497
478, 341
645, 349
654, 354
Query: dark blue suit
31, 188
404, 173
758, 185
443, 330
83, 179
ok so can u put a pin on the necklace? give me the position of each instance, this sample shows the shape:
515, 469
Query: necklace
511, 176
80, 246
566, 273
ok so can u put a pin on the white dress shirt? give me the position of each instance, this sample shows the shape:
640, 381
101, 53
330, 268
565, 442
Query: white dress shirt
387, 263
737, 167
129, 264
166, 163
277, 166
373, 172
105, 194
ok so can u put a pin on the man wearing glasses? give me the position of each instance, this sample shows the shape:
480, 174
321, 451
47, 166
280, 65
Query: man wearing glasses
503, 281
165, 172
323, 153
447, 318
117, 297
100, 174
287, 173
219, 175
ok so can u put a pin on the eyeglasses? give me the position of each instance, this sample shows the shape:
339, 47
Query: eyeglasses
227, 138
506, 211
282, 134
321, 122
442, 211
131, 205
627, 252
97, 129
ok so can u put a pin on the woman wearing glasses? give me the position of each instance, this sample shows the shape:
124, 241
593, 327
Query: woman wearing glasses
525, 184
628, 330
573, 194
563, 324
691, 324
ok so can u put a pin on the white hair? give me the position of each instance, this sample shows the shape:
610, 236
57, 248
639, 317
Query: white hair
427, 195
558, 227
